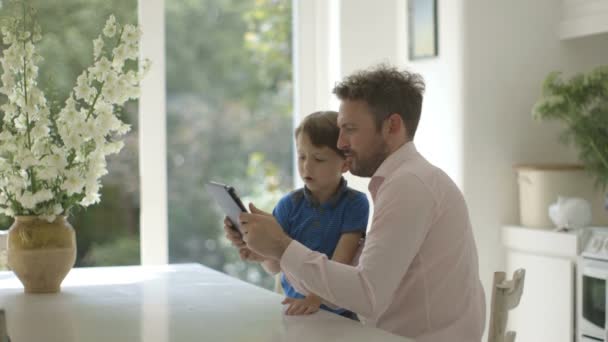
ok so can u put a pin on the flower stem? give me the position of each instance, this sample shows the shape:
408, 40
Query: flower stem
94, 102
28, 127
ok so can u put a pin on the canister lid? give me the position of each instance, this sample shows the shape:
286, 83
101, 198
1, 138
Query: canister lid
549, 167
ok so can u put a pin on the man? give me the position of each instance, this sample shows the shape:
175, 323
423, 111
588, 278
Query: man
417, 275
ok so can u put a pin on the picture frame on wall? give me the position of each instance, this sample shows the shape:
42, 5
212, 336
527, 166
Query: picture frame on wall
422, 29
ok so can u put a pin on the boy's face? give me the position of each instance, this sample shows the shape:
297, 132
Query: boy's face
365, 146
320, 168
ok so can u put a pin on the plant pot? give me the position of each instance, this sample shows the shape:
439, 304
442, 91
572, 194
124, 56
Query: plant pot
41, 253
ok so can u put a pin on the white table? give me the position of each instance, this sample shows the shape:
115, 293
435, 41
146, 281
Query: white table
165, 303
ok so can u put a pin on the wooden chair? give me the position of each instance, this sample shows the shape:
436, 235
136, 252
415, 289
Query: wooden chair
505, 296
3, 330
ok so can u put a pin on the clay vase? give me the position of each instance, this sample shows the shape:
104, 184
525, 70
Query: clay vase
41, 253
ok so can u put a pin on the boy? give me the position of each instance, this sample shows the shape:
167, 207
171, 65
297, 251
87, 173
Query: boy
325, 215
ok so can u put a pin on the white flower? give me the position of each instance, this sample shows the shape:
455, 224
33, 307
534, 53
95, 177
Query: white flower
123, 129
47, 173
110, 29
93, 132
97, 168
111, 93
131, 34
83, 90
43, 195
48, 218
69, 114
6, 136
72, 141
90, 198
73, 184
56, 160
101, 69
27, 161
57, 209
108, 122
40, 130
7, 212
113, 147
27, 200
103, 108
97, 47
131, 51
51, 152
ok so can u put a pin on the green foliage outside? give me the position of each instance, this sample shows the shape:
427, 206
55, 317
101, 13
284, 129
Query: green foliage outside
229, 119
581, 104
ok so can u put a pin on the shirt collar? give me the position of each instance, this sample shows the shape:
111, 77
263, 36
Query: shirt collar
333, 200
390, 164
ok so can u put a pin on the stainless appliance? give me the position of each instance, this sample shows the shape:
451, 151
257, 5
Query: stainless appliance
591, 287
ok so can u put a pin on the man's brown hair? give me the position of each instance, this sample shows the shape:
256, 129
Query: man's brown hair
322, 129
386, 90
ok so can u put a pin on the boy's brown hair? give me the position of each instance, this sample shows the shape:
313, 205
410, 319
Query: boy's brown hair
322, 129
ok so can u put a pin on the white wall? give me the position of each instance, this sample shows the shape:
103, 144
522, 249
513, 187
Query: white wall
509, 47
439, 137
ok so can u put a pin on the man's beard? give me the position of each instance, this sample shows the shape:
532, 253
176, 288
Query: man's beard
367, 167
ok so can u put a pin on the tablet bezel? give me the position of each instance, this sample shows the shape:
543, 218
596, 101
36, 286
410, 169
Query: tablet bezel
226, 198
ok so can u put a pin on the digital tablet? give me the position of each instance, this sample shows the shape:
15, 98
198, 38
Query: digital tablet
227, 199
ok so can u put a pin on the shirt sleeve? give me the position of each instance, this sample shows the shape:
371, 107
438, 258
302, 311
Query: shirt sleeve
356, 215
399, 227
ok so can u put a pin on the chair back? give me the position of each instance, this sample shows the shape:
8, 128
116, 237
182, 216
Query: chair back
3, 330
506, 295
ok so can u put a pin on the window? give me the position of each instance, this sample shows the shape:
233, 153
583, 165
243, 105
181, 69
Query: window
229, 119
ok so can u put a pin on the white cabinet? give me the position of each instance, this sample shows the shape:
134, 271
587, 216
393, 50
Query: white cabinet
583, 18
547, 308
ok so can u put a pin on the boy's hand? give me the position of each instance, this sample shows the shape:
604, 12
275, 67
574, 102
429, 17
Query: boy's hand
305, 306
248, 255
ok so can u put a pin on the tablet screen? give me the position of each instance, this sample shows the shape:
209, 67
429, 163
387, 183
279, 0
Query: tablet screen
226, 198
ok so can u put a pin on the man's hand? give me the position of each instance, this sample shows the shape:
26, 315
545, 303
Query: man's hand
232, 235
248, 255
263, 234
306, 306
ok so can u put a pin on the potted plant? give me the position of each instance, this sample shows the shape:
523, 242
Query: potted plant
52, 157
581, 104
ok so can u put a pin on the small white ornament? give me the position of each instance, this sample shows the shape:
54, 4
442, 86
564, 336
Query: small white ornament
570, 213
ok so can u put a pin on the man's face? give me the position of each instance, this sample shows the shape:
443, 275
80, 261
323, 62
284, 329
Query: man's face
363, 144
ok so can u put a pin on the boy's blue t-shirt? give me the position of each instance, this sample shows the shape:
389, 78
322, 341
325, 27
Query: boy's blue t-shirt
320, 226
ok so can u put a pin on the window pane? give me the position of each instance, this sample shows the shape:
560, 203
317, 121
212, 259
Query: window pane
229, 119
107, 233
